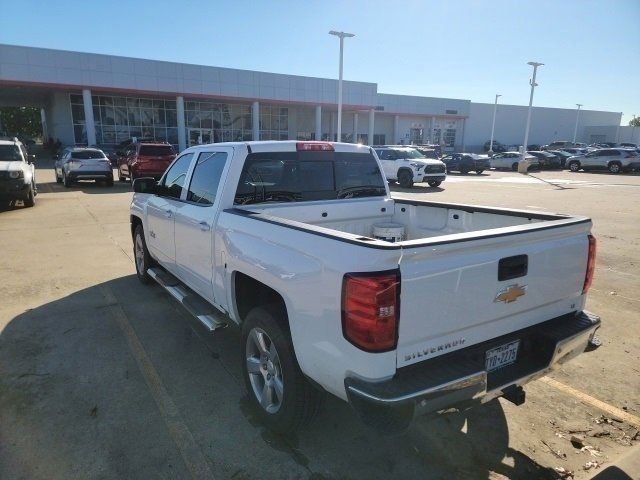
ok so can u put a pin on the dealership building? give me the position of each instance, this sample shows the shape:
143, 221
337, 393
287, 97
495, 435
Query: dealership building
95, 99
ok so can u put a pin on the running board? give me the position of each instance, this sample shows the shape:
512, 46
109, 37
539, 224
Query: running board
211, 318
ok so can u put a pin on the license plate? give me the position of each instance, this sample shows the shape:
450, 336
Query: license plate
503, 355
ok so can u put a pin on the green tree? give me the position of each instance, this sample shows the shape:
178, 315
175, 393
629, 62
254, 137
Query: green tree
20, 121
634, 122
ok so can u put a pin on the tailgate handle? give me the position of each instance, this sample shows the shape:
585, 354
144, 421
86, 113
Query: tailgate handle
513, 267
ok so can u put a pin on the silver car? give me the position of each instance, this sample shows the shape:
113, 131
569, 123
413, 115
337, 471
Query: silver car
80, 163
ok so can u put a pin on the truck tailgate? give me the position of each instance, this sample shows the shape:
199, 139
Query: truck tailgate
452, 297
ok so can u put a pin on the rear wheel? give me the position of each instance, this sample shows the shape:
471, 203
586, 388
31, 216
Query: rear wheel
405, 179
574, 166
141, 255
279, 392
514, 167
434, 183
614, 167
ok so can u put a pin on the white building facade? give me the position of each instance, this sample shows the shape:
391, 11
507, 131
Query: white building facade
103, 100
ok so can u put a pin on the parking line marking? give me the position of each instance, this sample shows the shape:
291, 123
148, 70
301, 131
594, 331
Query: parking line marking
594, 402
180, 433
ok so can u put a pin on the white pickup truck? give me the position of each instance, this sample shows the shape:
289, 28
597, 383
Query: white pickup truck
453, 305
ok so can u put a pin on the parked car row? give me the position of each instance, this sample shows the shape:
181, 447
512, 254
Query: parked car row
133, 160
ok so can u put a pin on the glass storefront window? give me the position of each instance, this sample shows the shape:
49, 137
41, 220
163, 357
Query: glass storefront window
120, 118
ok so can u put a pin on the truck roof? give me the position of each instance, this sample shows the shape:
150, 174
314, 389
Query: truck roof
289, 146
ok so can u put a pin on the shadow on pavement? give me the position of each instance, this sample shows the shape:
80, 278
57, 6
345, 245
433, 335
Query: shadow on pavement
73, 403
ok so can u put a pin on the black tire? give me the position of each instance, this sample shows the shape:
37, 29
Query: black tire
109, 182
479, 172
299, 401
614, 167
145, 259
574, 166
30, 200
514, 167
66, 180
405, 179
434, 183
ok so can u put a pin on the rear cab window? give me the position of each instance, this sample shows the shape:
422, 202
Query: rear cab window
308, 176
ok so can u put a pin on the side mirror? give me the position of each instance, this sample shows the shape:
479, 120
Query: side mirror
145, 185
56, 156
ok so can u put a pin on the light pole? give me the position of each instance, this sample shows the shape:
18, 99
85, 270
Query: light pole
575, 130
493, 124
533, 83
342, 36
633, 131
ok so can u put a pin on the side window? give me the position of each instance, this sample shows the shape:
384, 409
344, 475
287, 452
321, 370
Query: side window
206, 178
174, 178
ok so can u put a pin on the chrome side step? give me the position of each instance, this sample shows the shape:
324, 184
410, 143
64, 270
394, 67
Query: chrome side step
211, 318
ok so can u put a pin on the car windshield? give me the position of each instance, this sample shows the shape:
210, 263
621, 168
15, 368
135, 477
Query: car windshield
10, 153
87, 154
409, 153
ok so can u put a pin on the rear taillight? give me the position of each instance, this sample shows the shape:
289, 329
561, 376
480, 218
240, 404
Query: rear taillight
371, 309
591, 264
314, 146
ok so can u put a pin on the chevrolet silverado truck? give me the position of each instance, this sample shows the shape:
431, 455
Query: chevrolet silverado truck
461, 305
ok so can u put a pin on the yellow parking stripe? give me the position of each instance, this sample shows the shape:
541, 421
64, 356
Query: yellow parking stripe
594, 402
182, 437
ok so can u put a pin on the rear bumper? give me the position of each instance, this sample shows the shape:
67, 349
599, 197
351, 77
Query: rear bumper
459, 379
89, 174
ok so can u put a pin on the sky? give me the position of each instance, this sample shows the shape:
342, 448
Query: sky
458, 49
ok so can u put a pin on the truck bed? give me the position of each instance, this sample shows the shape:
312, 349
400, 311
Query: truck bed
424, 222
451, 264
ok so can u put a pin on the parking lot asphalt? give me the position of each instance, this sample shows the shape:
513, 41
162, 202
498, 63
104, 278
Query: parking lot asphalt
102, 377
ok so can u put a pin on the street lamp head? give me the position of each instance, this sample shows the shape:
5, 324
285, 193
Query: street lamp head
498, 95
342, 34
578, 105
535, 64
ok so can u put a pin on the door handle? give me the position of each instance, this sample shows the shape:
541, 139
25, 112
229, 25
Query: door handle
204, 226
168, 213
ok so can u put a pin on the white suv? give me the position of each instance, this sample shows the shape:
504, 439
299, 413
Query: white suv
407, 166
615, 160
17, 173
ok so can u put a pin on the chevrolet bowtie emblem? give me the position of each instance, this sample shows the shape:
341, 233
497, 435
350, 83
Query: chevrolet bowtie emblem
510, 293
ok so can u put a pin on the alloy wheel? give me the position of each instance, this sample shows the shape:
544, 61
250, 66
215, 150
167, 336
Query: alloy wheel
265, 370
139, 254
